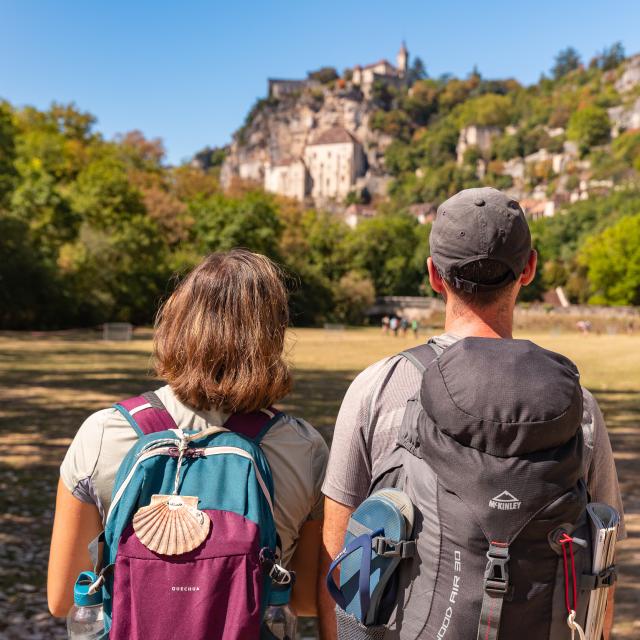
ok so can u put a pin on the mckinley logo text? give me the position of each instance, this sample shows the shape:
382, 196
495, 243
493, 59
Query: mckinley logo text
505, 502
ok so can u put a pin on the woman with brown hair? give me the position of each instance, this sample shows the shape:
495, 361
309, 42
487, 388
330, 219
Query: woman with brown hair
218, 344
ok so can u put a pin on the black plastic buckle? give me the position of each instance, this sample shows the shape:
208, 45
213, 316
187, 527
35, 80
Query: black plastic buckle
390, 549
496, 575
606, 578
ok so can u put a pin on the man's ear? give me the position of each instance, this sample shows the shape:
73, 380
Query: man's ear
529, 272
435, 280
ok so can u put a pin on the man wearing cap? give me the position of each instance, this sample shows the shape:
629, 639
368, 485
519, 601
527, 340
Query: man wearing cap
481, 256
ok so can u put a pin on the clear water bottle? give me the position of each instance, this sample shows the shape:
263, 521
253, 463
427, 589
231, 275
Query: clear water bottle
85, 620
279, 617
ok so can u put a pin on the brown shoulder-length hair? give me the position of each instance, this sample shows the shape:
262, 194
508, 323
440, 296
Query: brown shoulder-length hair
219, 338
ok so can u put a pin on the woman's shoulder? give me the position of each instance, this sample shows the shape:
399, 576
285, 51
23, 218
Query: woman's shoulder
297, 428
297, 450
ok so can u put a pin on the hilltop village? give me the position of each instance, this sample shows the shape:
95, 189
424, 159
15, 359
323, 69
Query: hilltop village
332, 141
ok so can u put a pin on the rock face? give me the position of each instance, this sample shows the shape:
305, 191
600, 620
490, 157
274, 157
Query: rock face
630, 77
624, 117
282, 132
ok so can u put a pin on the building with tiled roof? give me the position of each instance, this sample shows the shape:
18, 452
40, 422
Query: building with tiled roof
365, 76
335, 135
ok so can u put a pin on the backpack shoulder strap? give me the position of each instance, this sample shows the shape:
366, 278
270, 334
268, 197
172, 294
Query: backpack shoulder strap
422, 355
146, 414
255, 425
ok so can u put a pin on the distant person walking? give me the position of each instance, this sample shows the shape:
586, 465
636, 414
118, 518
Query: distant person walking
218, 344
404, 326
394, 324
414, 327
385, 325
584, 326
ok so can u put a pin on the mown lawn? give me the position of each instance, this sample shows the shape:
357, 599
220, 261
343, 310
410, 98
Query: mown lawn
50, 382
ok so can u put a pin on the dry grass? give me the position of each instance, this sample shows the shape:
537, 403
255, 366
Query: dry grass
50, 382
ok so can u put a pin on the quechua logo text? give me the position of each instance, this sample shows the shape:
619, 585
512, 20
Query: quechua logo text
505, 502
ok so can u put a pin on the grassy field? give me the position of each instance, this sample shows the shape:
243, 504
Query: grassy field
51, 382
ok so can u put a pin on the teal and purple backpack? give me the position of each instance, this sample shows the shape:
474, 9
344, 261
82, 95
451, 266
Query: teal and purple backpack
220, 588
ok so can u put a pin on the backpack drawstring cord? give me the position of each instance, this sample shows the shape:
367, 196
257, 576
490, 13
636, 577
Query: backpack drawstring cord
182, 447
567, 541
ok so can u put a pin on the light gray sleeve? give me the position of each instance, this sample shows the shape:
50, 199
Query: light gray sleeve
602, 478
349, 470
79, 464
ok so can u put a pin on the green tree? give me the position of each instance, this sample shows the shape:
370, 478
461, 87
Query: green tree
8, 173
116, 274
40, 202
325, 75
103, 194
488, 110
422, 101
222, 223
611, 56
612, 260
384, 248
417, 71
353, 295
395, 123
566, 61
589, 127
21, 263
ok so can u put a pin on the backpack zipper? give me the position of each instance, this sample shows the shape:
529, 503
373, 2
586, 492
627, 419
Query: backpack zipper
156, 449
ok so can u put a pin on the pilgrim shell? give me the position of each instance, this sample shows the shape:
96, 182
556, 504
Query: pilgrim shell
171, 525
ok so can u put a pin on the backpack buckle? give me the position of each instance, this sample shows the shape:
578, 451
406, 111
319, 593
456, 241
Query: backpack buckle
390, 549
496, 574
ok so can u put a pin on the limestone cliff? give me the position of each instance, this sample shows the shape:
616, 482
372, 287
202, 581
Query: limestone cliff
279, 129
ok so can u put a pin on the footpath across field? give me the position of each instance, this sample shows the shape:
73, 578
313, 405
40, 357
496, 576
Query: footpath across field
50, 382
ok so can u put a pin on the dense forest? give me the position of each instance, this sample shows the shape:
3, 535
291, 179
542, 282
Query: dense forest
95, 230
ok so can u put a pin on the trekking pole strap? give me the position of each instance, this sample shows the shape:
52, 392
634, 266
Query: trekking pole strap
496, 586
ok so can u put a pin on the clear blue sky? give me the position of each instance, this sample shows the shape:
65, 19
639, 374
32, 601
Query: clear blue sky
189, 71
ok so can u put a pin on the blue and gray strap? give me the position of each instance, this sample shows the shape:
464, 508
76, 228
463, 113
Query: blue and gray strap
362, 542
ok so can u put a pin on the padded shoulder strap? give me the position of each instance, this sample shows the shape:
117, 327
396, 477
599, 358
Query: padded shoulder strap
254, 426
422, 355
146, 414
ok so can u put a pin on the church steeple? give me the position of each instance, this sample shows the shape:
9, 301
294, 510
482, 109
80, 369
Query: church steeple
402, 59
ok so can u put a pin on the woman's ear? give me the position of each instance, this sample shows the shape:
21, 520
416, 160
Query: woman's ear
435, 280
529, 272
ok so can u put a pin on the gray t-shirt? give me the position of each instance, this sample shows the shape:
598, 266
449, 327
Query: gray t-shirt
370, 417
296, 452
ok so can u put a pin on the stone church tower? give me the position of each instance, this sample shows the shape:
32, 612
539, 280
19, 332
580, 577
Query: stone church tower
402, 59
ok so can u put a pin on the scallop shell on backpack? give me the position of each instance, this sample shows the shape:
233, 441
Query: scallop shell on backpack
171, 525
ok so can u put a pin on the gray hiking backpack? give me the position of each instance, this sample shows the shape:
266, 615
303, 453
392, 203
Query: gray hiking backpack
490, 453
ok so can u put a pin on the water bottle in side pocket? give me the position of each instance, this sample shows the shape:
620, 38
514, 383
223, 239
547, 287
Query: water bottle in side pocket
85, 620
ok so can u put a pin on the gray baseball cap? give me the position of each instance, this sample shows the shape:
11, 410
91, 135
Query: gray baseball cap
478, 224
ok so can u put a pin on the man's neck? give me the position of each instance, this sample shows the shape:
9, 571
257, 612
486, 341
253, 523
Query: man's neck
479, 323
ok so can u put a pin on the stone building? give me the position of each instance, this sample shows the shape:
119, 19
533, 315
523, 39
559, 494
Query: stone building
280, 88
475, 136
331, 164
383, 70
334, 159
289, 178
